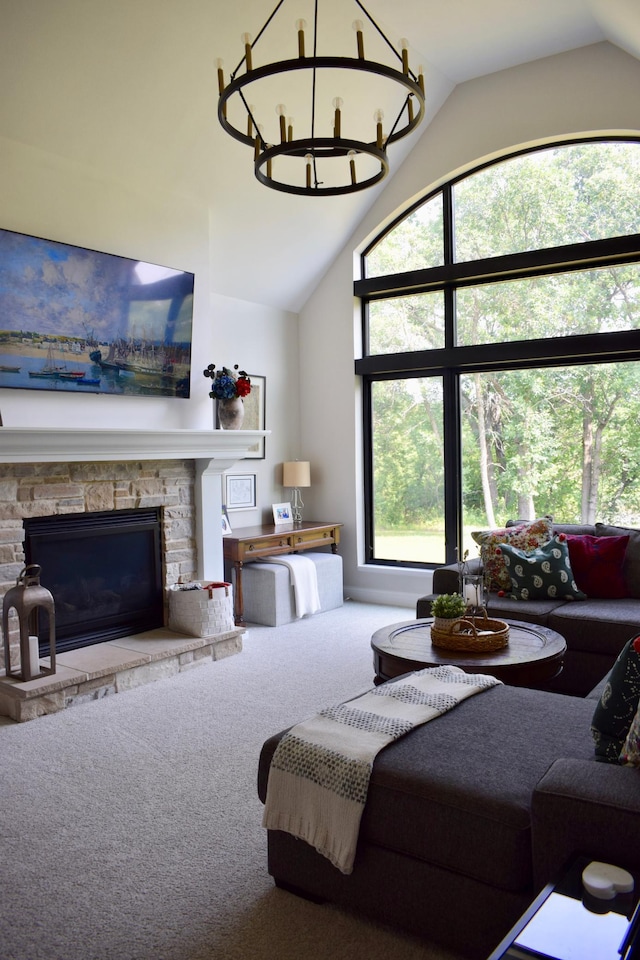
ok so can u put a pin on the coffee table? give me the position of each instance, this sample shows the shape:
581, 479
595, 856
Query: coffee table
532, 656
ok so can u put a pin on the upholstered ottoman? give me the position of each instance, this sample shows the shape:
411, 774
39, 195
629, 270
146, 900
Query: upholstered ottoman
268, 594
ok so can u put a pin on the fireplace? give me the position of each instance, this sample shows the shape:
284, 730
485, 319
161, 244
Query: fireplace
104, 570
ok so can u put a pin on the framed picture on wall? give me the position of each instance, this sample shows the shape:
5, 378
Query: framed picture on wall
254, 415
240, 491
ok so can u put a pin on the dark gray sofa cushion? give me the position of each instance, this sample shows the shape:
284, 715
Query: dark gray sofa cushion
529, 611
456, 792
599, 626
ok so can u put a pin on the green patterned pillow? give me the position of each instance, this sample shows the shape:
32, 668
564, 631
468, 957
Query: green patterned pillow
614, 714
541, 574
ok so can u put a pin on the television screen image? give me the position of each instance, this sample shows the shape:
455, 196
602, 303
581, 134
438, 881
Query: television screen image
77, 320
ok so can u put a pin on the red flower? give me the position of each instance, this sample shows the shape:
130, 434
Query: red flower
501, 593
562, 537
243, 386
636, 644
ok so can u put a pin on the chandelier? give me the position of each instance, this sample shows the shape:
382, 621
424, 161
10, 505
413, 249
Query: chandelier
332, 138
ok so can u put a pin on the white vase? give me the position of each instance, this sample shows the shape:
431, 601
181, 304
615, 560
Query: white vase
231, 413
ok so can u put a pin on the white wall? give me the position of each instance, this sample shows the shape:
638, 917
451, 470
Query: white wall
47, 196
593, 89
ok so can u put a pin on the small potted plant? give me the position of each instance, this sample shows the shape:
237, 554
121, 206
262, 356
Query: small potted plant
447, 608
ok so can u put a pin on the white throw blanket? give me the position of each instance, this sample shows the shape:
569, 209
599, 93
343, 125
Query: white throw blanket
304, 580
320, 771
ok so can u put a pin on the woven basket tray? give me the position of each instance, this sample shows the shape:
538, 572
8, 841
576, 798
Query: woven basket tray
473, 634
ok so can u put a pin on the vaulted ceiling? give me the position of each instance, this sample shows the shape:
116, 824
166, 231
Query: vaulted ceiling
128, 89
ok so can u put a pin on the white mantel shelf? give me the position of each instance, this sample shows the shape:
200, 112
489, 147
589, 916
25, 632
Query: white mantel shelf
214, 451
59, 445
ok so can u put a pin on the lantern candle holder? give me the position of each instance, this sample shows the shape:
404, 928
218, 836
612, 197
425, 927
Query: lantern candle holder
472, 588
25, 598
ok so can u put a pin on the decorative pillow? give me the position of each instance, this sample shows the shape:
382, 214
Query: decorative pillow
618, 704
541, 574
526, 536
597, 564
630, 753
631, 566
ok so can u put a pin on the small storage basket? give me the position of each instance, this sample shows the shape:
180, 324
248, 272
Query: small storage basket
204, 611
473, 634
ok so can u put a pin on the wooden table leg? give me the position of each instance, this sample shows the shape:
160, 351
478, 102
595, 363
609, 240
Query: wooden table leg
238, 599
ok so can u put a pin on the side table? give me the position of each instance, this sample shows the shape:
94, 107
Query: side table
565, 922
268, 540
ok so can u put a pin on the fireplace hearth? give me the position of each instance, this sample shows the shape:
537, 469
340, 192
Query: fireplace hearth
104, 570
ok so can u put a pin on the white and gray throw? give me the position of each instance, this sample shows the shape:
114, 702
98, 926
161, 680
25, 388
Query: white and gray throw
320, 770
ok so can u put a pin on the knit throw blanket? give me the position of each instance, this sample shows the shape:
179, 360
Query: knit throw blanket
320, 771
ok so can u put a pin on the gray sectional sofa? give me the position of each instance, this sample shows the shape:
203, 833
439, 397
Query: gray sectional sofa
469, 815
595, 629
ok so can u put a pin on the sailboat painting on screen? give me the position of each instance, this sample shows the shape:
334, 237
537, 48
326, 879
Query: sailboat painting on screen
77, 320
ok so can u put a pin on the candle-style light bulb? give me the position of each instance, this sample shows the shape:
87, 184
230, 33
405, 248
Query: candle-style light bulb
308, 160
337, 117
379, 117
358, 26
259, 141
404, 45
220, 68
301, 26
281, 110
246, 39
352, 165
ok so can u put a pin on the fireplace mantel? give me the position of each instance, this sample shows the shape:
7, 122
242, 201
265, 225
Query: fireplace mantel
213, 450
60, 445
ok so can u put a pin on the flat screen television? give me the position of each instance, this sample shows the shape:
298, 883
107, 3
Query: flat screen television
78, 320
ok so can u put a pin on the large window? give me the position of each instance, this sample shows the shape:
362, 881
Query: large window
501, 370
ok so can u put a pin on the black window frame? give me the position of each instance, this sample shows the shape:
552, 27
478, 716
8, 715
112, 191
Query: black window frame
451, 362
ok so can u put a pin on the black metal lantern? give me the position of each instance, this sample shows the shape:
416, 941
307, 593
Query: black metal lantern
25, 598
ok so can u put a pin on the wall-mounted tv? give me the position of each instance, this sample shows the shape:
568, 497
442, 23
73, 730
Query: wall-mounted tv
77, 320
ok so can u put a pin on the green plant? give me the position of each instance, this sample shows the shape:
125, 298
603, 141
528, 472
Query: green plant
449, 606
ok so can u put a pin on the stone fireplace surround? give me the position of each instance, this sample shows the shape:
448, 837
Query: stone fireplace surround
45, 472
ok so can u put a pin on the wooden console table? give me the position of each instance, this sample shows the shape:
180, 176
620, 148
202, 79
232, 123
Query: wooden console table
251, 543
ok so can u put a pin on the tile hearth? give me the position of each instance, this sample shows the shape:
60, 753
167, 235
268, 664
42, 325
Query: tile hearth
112, 667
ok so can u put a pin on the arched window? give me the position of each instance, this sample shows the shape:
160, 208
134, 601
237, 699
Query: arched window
501, 366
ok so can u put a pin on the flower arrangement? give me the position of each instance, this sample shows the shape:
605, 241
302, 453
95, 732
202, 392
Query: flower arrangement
449, 606
226, 384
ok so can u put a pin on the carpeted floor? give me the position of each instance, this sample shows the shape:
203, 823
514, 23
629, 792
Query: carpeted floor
130, 826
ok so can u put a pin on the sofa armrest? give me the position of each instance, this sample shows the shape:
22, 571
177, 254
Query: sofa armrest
585, 807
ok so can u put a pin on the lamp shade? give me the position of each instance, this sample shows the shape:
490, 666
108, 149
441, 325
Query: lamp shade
296, 473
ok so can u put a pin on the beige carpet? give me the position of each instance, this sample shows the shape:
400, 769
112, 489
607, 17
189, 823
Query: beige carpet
130, 826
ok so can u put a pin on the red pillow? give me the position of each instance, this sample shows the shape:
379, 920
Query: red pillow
597, 565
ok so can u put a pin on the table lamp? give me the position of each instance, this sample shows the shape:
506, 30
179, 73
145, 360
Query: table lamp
296, 474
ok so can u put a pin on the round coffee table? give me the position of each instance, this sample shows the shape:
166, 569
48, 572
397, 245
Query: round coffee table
532, 656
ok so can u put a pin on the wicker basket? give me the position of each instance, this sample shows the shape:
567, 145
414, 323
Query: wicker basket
473, 634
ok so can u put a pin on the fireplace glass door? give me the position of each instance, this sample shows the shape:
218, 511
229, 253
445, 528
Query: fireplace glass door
104, 571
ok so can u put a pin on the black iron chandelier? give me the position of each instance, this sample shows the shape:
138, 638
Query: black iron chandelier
329, 147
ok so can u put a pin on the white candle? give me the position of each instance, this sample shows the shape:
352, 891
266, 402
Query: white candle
471, 594
34, 657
